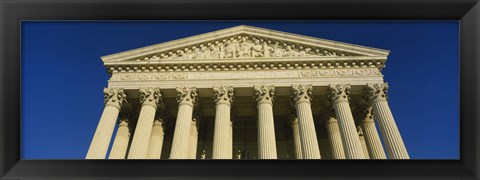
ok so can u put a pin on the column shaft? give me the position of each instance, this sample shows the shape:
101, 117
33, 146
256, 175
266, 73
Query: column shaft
193, 141
372, 140
101, 140
351, 142
364, 147
222, 137
267, 148
388, 128
141, 137
223, 133
336, 145
156, 140
308, 136
181, 136
120, 144
114, 99
296, 139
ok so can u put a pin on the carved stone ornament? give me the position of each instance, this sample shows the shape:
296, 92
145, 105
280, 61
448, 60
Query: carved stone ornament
187, 95
376, 92
223, 94
244, 46
359, 131
114, 97
196, 118
338, 93
264, 94
159, 122
150, 96
292, 114
301, 93
327, 115
362, 113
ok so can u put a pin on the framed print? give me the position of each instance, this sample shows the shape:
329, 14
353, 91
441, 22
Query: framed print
249, 90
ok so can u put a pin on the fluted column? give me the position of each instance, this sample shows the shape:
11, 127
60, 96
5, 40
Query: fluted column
334, 136
223, 134
301, 97
296, 135
267, 147
120, 144
193, 142
186, 99
339, 96
370, 134
362, 141
114, 99
156, 139
149, 98
377, 95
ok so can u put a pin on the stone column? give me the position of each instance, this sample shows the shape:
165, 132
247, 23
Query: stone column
333, 132
223, 133
149, 98
339, 96
120, 144
264, 96
362, 141
301, 96
296, 136
377, 95
114, 99
156, 139
193, 142
370, 134
186, 99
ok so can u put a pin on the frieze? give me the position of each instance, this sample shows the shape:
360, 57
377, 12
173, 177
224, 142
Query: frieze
244, 46
306, 73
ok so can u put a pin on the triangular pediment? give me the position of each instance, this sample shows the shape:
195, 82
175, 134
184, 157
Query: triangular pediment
244, 42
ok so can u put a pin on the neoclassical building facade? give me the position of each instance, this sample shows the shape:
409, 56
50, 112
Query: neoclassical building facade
247, 93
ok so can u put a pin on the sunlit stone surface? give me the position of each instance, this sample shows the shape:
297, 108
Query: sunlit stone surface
260, 94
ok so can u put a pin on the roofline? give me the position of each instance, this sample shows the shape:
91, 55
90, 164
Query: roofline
223, 33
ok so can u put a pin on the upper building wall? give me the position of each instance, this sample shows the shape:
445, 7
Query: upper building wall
243, 55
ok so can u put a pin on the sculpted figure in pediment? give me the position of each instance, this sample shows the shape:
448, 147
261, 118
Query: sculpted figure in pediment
305, 52
201, 53
231, 48
172, 55
213, 52
257, 49
244, 48
266, 49
290, 52
180, 54
277, 51
221, 50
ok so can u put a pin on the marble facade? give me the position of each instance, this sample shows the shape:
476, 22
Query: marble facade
247, 93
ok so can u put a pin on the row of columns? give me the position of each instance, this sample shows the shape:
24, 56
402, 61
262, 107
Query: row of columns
342, 129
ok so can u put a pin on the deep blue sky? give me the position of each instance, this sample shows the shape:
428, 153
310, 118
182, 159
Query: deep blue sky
63, 77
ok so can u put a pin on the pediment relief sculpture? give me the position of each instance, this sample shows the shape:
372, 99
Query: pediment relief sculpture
244, 46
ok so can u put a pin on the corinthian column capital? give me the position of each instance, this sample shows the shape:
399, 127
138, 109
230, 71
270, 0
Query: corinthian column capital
114, 97
150, 96
327, 115
187, 95
264, 94
338, 93
223, 94
376, 92
301, 93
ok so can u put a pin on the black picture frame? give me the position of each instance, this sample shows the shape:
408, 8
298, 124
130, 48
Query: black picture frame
13, 12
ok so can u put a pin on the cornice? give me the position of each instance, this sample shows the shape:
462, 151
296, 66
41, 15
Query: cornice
247, 64
245, 30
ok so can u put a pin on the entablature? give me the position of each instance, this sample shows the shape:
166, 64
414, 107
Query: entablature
247, 64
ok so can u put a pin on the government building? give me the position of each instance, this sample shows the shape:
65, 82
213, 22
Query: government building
247, 93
